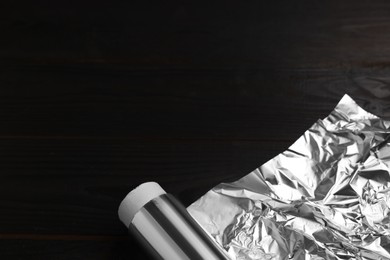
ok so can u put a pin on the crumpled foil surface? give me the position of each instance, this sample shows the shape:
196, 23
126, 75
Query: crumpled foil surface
325, 197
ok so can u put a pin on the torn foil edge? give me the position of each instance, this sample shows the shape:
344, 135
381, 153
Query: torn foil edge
325, 197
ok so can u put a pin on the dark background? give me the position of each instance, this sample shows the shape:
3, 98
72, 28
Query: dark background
98, 97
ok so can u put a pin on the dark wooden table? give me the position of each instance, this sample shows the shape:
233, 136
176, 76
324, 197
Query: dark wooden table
98, 97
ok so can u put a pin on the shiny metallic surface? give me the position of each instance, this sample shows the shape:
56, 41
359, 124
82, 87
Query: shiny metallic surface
167, 230
326, 197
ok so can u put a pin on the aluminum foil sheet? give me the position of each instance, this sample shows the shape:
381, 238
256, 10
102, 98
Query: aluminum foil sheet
326, 197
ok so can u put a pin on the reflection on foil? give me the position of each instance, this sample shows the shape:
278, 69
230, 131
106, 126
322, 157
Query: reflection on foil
326, 197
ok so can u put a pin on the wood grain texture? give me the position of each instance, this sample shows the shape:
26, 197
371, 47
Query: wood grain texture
98, 97
189, 104
71, 249
141, 34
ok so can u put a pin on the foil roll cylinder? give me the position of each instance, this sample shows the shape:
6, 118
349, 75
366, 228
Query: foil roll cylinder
165, 228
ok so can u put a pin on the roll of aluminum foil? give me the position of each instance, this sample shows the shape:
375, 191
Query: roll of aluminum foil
326, 197
165, 228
